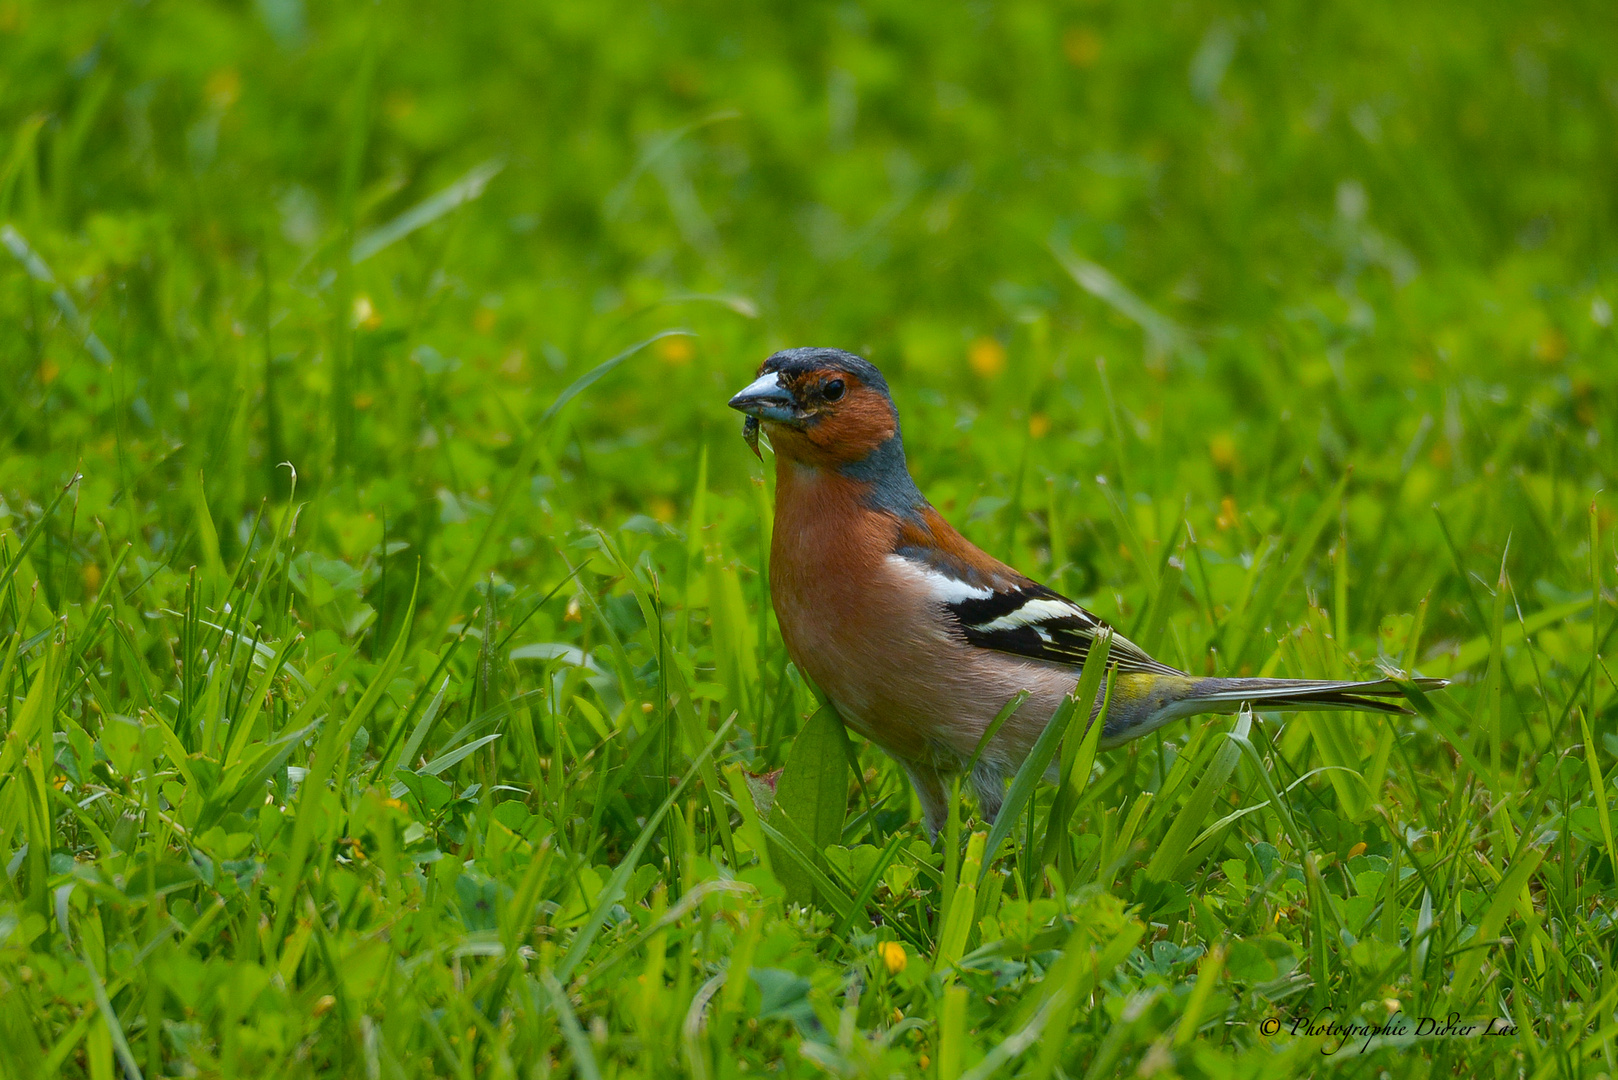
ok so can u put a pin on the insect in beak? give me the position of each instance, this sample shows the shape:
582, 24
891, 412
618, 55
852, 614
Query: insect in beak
750, 433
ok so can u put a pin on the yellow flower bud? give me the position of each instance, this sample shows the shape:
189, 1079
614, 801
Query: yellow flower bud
893, 956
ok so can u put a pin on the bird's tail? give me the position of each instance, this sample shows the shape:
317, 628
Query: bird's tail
1146, 702
1228, 695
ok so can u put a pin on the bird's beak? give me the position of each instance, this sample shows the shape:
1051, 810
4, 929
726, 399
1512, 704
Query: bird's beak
766, 399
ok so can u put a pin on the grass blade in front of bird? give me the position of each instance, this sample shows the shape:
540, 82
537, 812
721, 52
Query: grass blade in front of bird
1188, 822
1079, 754
956, 926
1028, 776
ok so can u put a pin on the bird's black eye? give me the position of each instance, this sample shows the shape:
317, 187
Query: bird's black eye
832, 390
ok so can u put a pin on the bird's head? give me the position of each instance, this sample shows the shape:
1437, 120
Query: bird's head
820, 407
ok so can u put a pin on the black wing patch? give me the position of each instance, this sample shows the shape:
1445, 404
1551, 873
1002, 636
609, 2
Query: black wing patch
1042, 624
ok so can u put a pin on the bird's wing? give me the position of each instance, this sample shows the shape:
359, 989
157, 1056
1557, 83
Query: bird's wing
1012, 614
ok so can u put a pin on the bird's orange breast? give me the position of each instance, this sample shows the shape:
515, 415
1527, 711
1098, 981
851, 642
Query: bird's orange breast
875, 643
830, 597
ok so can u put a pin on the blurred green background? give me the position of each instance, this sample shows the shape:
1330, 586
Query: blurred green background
1147, 280
1337, 223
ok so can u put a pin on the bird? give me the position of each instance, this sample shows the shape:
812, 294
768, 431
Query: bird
917, 637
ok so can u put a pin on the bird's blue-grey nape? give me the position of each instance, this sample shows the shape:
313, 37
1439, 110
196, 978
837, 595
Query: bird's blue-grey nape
891, 487
821, 358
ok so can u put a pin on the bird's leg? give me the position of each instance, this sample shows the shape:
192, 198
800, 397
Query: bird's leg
931, 792
989, 784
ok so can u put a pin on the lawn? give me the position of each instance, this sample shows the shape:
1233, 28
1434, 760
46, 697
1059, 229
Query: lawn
388, 676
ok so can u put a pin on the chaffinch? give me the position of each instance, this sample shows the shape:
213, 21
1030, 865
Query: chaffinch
917, 637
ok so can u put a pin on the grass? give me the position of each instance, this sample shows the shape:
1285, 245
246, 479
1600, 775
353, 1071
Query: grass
386, 669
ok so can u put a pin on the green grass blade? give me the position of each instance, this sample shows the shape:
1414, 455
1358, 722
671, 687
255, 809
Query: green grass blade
612, 890
1028, 776
1000, 718
812, 794
1598, 790
1470, 962
1299, 550
1177, 842
584, 1058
